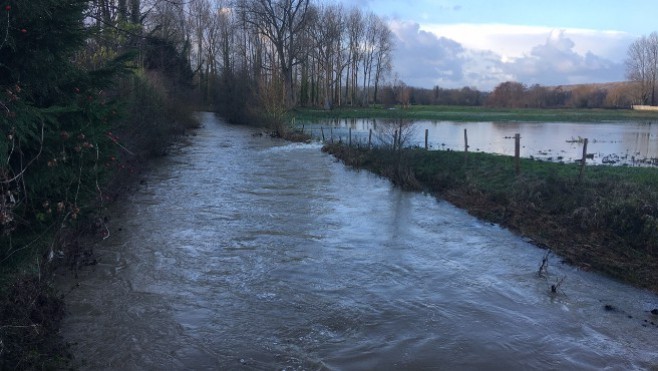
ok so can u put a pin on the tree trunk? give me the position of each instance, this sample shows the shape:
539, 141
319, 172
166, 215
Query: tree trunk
288, 87
105, 11
122, 10
135, 12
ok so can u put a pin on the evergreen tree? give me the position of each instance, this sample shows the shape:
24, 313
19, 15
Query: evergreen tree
54, 118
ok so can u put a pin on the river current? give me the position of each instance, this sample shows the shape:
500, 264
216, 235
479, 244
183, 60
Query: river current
243, 252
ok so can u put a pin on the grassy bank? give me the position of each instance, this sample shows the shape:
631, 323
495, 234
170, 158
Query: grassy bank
607, 221
460, 113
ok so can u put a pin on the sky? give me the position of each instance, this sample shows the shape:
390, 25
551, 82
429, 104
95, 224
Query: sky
481, 43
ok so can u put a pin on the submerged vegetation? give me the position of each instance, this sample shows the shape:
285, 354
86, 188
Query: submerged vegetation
606, 221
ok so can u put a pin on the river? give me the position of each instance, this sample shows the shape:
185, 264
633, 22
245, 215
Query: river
243, 252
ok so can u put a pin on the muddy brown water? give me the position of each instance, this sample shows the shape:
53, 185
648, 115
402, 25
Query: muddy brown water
243, 252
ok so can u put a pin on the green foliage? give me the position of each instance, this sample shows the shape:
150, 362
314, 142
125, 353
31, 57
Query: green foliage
41, 37
55, 122
151, 117
162, 54
65, 132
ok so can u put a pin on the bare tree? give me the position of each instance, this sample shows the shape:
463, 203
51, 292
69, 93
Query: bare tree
355, 36
368, 54
509, 94
282, 22
326, 34
122, 10
384, 47
135, 11
642, 67
652, 51
198, 20
311, 54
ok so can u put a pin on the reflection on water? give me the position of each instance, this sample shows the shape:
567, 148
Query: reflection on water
618, 143
245, 252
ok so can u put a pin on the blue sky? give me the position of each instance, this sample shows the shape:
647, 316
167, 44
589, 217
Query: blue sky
482, 43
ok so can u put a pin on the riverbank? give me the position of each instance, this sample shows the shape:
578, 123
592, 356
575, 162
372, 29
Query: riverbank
606, 221
464, 113
31, 309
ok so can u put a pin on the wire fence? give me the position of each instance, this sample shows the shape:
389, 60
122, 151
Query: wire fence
474, 138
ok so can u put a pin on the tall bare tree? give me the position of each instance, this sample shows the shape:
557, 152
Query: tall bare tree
355, 28
326, 33
122, 10
282, 22
383, 59
642, 67
135, 11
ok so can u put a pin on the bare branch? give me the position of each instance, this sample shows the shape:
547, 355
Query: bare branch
17, 176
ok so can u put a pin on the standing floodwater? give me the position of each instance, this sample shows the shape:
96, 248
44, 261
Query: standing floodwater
628, 143
242, 252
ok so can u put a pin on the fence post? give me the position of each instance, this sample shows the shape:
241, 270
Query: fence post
322, 131
465, 144
582, 162
517, 153
427, 131
395, 139
369, 138
350, 140
331, 134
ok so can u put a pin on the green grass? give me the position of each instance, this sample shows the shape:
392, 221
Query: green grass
462, 113
607, 220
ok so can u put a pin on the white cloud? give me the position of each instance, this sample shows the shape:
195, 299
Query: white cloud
516, 40
556, 61
485, 55
424, 59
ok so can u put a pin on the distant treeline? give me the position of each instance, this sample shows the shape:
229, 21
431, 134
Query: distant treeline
516, 95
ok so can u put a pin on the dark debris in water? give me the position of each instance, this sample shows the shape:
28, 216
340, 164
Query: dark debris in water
644, 323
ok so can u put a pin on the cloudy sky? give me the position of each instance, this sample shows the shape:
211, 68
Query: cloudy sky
481, 43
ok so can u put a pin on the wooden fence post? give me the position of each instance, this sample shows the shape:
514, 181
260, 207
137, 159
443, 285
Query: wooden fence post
582, 162
517, 153
465, 144
322, 131
331, 134
427, 131
350, 140
369, 138
395, 139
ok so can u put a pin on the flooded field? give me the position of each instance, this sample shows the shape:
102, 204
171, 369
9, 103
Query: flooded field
608, 143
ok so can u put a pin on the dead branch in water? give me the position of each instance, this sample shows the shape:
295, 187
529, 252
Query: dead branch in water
543, 268
556, 286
